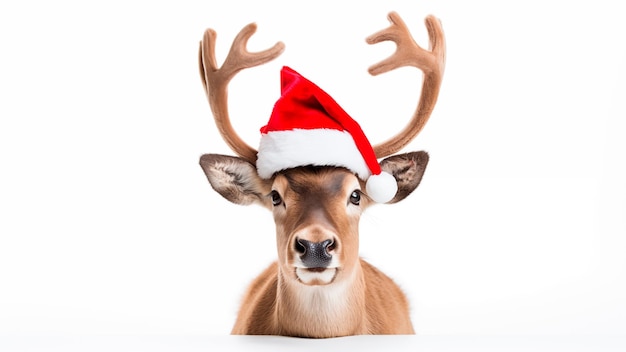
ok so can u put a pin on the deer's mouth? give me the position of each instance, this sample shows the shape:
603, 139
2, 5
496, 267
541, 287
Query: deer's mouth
316, 276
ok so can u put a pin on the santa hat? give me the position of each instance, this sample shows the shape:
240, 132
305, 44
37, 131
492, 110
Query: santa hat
307, 127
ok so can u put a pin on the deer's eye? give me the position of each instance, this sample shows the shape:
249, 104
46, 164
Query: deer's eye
276, 199
355, 198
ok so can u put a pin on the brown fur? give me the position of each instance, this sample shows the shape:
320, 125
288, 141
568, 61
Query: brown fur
315, 205
375, 306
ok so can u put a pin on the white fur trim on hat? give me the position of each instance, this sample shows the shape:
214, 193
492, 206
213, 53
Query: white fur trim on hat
280, 150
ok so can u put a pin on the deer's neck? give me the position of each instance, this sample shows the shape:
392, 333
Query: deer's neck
330, 310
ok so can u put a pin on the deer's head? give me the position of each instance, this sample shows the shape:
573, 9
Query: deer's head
317, 207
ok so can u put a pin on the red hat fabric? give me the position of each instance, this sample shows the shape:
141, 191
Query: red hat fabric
308, 127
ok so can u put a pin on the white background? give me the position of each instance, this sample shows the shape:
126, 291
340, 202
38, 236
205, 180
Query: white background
107, 223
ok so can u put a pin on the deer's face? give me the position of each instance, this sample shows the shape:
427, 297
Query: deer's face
316, 209
317, 213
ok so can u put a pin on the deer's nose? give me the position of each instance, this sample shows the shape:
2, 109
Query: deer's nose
315, 254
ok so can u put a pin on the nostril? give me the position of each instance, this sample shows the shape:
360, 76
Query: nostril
301, 246
331, 246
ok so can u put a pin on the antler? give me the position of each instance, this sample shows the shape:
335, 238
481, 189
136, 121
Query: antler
409, 53
215, 81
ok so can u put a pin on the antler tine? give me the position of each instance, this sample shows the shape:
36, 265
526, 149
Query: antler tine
409, 53
215, 80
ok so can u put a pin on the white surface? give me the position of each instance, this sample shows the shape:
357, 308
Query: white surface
164, 343
108, 225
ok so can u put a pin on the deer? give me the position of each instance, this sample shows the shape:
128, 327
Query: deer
319, 287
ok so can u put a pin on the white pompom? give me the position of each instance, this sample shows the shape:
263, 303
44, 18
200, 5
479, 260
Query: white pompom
381, 188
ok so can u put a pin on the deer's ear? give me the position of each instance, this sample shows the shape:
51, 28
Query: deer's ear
408, 170
235, 179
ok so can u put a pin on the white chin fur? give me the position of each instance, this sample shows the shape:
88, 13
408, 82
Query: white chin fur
316, 278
